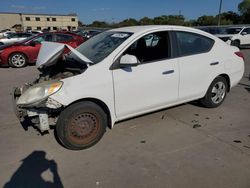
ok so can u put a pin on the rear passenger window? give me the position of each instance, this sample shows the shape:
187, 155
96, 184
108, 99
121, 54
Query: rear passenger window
191, 43
63, 38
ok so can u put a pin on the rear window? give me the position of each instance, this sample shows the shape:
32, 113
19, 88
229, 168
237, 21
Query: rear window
192, 43
63, 38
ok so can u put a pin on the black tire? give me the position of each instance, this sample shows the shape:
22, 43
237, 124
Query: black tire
236, 43
216, 93
1, 43
17, 60
81, 125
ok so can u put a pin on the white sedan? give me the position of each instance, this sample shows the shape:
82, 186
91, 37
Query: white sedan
123, 73
14, 37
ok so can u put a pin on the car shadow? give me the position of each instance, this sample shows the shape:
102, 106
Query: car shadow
28, 175
247, 87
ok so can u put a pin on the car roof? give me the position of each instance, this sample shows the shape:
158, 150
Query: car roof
149, 28
139, 29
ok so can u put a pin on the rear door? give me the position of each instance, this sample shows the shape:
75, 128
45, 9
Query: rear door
150, 85
196, 62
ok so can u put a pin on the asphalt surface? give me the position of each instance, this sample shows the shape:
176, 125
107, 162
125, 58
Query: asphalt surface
184, 146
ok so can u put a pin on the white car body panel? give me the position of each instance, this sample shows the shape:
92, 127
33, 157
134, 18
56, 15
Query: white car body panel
145, 87
142, 89
12, 40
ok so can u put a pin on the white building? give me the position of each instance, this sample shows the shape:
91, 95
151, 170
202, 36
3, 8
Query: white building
24, 21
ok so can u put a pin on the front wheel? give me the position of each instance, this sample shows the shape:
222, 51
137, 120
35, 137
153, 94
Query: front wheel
216, 93
17, 60
81, 125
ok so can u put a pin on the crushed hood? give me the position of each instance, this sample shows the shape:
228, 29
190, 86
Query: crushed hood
51, 51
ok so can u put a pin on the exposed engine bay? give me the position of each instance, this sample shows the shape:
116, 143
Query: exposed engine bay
32, 100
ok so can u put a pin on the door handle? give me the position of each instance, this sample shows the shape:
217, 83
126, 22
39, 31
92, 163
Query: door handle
168, 72
214, 63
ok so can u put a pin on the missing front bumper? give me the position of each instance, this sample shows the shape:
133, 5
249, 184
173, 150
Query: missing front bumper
41, 117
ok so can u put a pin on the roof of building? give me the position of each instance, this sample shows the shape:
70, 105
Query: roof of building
42, 14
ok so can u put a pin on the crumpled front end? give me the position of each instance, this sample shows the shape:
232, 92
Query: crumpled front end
42, 114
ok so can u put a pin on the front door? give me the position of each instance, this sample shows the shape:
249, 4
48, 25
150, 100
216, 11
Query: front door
150, 85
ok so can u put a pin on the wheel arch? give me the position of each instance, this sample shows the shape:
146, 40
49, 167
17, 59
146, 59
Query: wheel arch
101, 104
227, 79
26, 56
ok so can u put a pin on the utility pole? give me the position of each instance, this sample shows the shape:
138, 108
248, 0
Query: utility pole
219, 17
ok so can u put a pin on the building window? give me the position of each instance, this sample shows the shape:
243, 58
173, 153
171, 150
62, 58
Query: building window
73, 19
54, 19
37, 19
54, 28
29, 28
39, 28
48, 19
27, 18
73, 28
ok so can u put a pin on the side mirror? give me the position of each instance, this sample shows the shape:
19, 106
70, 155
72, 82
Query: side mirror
128, 61
244, 33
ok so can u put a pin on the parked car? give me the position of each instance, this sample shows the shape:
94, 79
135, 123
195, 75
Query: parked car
89, 33
5, 33
238, 36
214, 30
34, 32
26, 52
14, 37
119, 74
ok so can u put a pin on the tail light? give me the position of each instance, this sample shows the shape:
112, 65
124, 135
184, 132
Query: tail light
240, 54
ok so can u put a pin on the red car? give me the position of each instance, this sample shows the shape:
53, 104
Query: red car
26, 52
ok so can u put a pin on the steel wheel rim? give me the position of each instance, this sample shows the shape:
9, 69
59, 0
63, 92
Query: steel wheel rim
218, 92
83, 128
18, 60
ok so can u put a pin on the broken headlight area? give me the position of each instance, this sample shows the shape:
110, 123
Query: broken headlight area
42, 114
37, 93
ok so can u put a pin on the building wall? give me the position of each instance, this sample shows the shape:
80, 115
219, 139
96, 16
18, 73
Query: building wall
39, 21
8, 20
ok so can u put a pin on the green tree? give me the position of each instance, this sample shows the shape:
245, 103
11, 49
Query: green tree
176, 20
146, 21
100, 24
231, 16
206, 20
128, 22
244, 8
161, 20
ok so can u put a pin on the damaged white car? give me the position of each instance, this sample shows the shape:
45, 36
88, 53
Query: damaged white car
123, 73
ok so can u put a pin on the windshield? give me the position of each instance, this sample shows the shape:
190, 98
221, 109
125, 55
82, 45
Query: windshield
233, 30
100, 46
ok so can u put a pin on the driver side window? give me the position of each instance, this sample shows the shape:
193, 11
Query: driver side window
152, 47
247, 30
44, 38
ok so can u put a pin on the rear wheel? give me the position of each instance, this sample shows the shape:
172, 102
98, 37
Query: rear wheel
17, 60
216, 93
81, 125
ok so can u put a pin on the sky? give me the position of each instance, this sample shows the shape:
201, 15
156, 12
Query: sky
116, 11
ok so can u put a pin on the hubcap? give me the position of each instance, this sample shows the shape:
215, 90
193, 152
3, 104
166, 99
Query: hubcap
83, 128
18, 60
218, 92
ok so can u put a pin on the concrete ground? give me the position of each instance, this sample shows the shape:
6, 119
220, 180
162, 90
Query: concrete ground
161, 149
